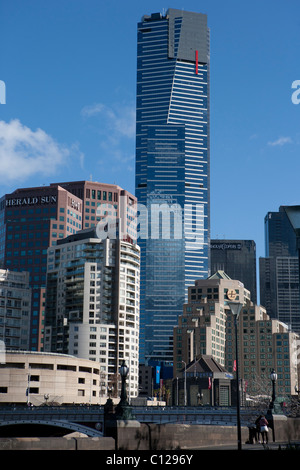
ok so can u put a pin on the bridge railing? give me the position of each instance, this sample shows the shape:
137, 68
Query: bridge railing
81, 413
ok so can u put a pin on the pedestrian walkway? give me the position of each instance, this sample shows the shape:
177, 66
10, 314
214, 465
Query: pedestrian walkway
257, 446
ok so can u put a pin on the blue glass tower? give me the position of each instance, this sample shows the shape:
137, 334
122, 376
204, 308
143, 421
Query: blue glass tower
172, 170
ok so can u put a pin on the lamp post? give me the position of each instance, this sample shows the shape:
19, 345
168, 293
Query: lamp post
184, 382
271, 410
235, 308
273, 377
124, 371
123, 409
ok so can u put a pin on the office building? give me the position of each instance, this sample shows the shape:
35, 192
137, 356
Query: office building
15, 310
207, 327
172, 169
237, 258
279, 270
103, 202
92, 304
201, 328
31, 220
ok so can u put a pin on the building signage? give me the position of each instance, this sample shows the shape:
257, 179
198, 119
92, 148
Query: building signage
31, 201
75, 204
226, 246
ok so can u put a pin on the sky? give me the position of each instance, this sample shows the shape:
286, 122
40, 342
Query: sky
68, 91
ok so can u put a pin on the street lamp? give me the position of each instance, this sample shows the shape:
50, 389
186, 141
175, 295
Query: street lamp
271, 410
184, 382
124, 371
123, 409
273, 377
235, 308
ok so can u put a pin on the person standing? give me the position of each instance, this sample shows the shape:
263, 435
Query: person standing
257, 425
264, 429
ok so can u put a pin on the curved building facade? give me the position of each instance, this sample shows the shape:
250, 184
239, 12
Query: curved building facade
38, 378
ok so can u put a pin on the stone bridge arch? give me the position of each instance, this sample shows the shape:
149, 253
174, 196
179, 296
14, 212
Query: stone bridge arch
63, 424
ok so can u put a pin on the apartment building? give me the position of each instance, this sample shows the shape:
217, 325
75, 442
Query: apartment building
15, 309
92, 303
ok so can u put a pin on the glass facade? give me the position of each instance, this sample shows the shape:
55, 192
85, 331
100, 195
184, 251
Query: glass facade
172, 170
238, 259
279, 270
32, 219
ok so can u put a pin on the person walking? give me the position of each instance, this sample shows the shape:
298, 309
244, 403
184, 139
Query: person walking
257, 425
264, 429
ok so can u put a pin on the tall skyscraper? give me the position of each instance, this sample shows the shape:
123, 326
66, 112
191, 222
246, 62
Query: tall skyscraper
279, 270
172, 169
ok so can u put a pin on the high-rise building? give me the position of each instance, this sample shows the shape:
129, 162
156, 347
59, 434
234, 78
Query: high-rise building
279, 270
31, 220
15, 310
105, 202
172, 169
238, 259
201, 328
206, 326
92, 304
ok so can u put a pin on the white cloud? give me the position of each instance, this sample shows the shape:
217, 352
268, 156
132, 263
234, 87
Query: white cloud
119, 121
116, 126
92, 109
24, 152
281, 141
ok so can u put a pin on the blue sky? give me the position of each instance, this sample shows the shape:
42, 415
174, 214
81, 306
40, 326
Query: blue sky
69, 67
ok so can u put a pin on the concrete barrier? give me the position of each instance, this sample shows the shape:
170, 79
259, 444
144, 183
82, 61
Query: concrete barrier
150, 436
173, 436
57, 443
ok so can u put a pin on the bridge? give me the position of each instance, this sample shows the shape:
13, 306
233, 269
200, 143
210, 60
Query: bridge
89, 420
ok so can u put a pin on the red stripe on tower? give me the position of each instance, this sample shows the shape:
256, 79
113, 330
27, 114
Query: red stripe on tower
196, 62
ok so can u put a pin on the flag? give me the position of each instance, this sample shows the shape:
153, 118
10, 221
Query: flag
209, 383
234, 366
157, 374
